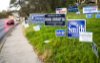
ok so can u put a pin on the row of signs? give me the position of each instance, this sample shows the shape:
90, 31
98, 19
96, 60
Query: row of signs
69, 9
91, 15
48, 19
86, 10
52, 19
74, 26
77, 28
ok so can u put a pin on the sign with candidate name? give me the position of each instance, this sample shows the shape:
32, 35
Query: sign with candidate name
86, 36
37, 18
97, 15
75, 27
55, 19
90, 9
60, 33
61, 10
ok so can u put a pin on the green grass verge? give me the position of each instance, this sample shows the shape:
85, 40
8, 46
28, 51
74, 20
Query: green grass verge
63, 49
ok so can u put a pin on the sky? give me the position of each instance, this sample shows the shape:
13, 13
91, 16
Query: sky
4, 4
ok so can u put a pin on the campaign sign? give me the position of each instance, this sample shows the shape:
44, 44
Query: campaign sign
37, 18
97, 15
75, 27
95, 49
55, 19
73, 9
90, 9
61, 10
86, 36
89, 16
60, 33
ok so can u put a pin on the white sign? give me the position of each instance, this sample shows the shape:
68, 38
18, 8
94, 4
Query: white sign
61, 10
86, 36
90, 9
46, 41
36, 28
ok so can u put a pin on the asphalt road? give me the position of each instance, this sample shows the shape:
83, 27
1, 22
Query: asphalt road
2, 28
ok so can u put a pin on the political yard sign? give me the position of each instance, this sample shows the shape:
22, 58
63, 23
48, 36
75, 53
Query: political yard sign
73, 9
61, 10
60, 33
37, 18
55, 19
90, 9
75, 27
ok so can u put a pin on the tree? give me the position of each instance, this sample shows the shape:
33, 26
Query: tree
12, 1
4, 14
40, 6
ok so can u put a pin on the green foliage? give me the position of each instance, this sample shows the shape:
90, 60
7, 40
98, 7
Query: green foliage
64, 49
12, 1
4, 14
41, 6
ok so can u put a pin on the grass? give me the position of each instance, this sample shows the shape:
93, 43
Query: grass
63, 49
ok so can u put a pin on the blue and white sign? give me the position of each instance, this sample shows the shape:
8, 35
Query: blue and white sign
90, 9
97, 15
60, 33
75, 27
73, 9
38, 18
86, 37
89, 15
61, 10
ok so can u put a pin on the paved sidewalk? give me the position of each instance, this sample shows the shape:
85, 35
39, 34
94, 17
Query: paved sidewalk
17, 49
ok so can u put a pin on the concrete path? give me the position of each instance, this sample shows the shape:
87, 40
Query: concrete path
17, 49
